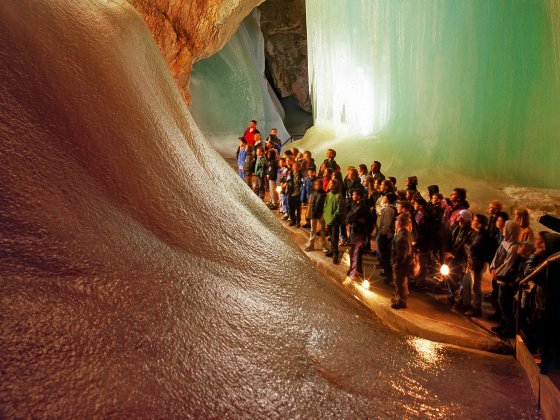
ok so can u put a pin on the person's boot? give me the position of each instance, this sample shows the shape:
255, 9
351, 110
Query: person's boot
398, 305
474, 313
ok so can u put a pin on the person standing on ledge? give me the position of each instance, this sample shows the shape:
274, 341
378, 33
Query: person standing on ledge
274, 141
329, 162
250, 133
332, 214
357, 218
375, 171
241, 155
401, 254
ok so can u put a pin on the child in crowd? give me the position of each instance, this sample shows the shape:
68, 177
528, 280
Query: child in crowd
332, 214
521, 216
240, 156
316, 205
306, 193
329, 162
308, 162
327, 176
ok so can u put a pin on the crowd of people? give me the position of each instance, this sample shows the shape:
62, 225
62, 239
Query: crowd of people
412, 236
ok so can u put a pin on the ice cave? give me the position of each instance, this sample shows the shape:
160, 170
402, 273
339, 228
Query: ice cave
141, 277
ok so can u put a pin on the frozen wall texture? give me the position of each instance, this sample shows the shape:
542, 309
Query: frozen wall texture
229, 89
187, 31
140, 278
472, 86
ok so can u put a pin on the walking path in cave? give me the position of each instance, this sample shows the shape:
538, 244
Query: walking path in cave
427, 315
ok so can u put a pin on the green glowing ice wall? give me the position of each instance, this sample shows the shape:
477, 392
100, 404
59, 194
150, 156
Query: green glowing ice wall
229, 88
472, 85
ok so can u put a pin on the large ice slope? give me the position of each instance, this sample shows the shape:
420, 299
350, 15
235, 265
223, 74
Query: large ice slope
229, 89
473, 86
139, 277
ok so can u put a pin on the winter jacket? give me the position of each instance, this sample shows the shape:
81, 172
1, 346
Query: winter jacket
424, 232
350, 186
332, 210
261, 167
316, 204
241, 155
401, 253
307, 188
249, 160
276, 142
331, 164
504, 263
294, 183
460, 237
386, 221
378, 176
305, 166
272, 170
357, 218
477, 250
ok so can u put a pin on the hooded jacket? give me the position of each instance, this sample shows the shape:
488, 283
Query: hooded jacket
504, 263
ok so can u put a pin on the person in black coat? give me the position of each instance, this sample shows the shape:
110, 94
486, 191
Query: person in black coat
357, 218
272, 176
478, 250
316, 204
401, 257
424, 238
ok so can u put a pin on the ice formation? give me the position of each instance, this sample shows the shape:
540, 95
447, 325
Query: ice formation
471, 86
229, 89
141, 278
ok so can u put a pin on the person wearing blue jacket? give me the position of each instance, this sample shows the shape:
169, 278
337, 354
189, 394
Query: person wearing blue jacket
241, 155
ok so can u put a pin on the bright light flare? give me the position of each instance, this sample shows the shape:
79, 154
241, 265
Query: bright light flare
365, 284
278, 189
444, 270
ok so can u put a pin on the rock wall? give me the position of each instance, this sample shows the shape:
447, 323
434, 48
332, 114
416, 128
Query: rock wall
285, 34
189, 30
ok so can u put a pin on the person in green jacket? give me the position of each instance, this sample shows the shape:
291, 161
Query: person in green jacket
260, 172
332, 213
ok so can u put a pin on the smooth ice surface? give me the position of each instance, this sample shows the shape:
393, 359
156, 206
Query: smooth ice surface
473, 86
229, 89
140, 278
